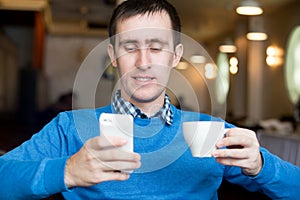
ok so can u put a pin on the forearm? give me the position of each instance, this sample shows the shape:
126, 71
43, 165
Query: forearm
31, 179
278, 179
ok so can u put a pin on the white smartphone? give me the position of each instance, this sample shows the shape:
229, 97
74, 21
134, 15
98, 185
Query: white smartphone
118, 125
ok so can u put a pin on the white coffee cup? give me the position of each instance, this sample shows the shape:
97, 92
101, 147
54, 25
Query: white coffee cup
202, 136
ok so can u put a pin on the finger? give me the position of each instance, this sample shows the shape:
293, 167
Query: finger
233, 162
110, 176
235, 140
117, 154
231, 153
241, 132
249, 166
101, 142
120, 166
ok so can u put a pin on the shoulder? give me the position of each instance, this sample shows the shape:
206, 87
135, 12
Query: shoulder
186, 116
83, 122
79, 119
191, 115
86, 114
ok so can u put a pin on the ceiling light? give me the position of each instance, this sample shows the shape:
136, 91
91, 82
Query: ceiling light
233, 68
274, 51
249, 7
233, 61
274, 56
227, 48
182, 65
257, 36
210, 71
197, 59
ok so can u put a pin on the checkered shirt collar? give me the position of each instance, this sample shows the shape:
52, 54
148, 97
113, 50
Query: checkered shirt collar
124, 107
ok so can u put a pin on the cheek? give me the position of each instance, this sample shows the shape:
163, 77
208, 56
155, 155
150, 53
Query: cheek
124, 66
163, 74
164, 63
164, 60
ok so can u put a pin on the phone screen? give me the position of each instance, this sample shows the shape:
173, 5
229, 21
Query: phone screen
118, 125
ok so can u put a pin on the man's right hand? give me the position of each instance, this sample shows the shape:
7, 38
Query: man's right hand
100, 160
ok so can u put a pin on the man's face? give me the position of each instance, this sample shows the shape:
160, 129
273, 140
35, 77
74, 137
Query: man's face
144, 54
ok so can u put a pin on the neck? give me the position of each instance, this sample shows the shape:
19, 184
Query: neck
147, 107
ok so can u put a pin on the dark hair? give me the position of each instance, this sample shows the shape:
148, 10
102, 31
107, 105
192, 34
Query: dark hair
132, 8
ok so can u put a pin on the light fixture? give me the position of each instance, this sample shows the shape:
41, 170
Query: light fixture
182, 65
257, 36
227, 47
233, 68
249, 7
197, 59
210, 71
274, 56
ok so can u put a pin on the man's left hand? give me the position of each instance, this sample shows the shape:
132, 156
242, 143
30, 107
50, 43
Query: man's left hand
242, 150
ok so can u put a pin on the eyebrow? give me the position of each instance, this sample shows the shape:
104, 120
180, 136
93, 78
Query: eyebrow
156, 40
127, 41
148, 41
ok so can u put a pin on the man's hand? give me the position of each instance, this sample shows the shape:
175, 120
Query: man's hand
242, 150
100, 160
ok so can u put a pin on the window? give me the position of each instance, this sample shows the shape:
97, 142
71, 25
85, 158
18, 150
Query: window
222, 80
292, 67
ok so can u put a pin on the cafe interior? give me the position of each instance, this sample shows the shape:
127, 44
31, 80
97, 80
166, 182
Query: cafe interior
241, 63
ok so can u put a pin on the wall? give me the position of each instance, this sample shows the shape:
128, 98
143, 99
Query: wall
279, 26
76, 63
258, 91
190, 89
22, 36
8, 75
267, 92
268, 98
237, 96
64, 57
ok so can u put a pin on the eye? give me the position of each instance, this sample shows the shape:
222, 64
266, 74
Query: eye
130, 48
155, 47
155, 50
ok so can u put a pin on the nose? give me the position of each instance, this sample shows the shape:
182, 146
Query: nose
143, 59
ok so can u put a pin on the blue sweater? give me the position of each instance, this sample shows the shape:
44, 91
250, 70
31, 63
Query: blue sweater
36, 168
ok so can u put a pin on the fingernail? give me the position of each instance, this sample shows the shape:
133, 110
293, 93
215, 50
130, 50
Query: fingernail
123, 141
220, 144
215, 154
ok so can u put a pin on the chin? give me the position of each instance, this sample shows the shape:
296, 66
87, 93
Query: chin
145, 97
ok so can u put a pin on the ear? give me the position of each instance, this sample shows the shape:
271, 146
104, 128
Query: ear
112, 55
177, 54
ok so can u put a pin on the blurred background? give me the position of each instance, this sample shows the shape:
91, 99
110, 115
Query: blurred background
44, 42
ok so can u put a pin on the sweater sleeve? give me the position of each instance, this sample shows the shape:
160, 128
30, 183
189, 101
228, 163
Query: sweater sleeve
277, 179
31, 179
34, 170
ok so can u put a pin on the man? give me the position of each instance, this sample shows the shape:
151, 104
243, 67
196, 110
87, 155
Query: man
68, 156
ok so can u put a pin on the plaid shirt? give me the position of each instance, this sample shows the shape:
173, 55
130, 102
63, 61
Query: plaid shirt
124, 107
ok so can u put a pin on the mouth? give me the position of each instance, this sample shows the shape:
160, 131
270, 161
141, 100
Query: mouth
143, 78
